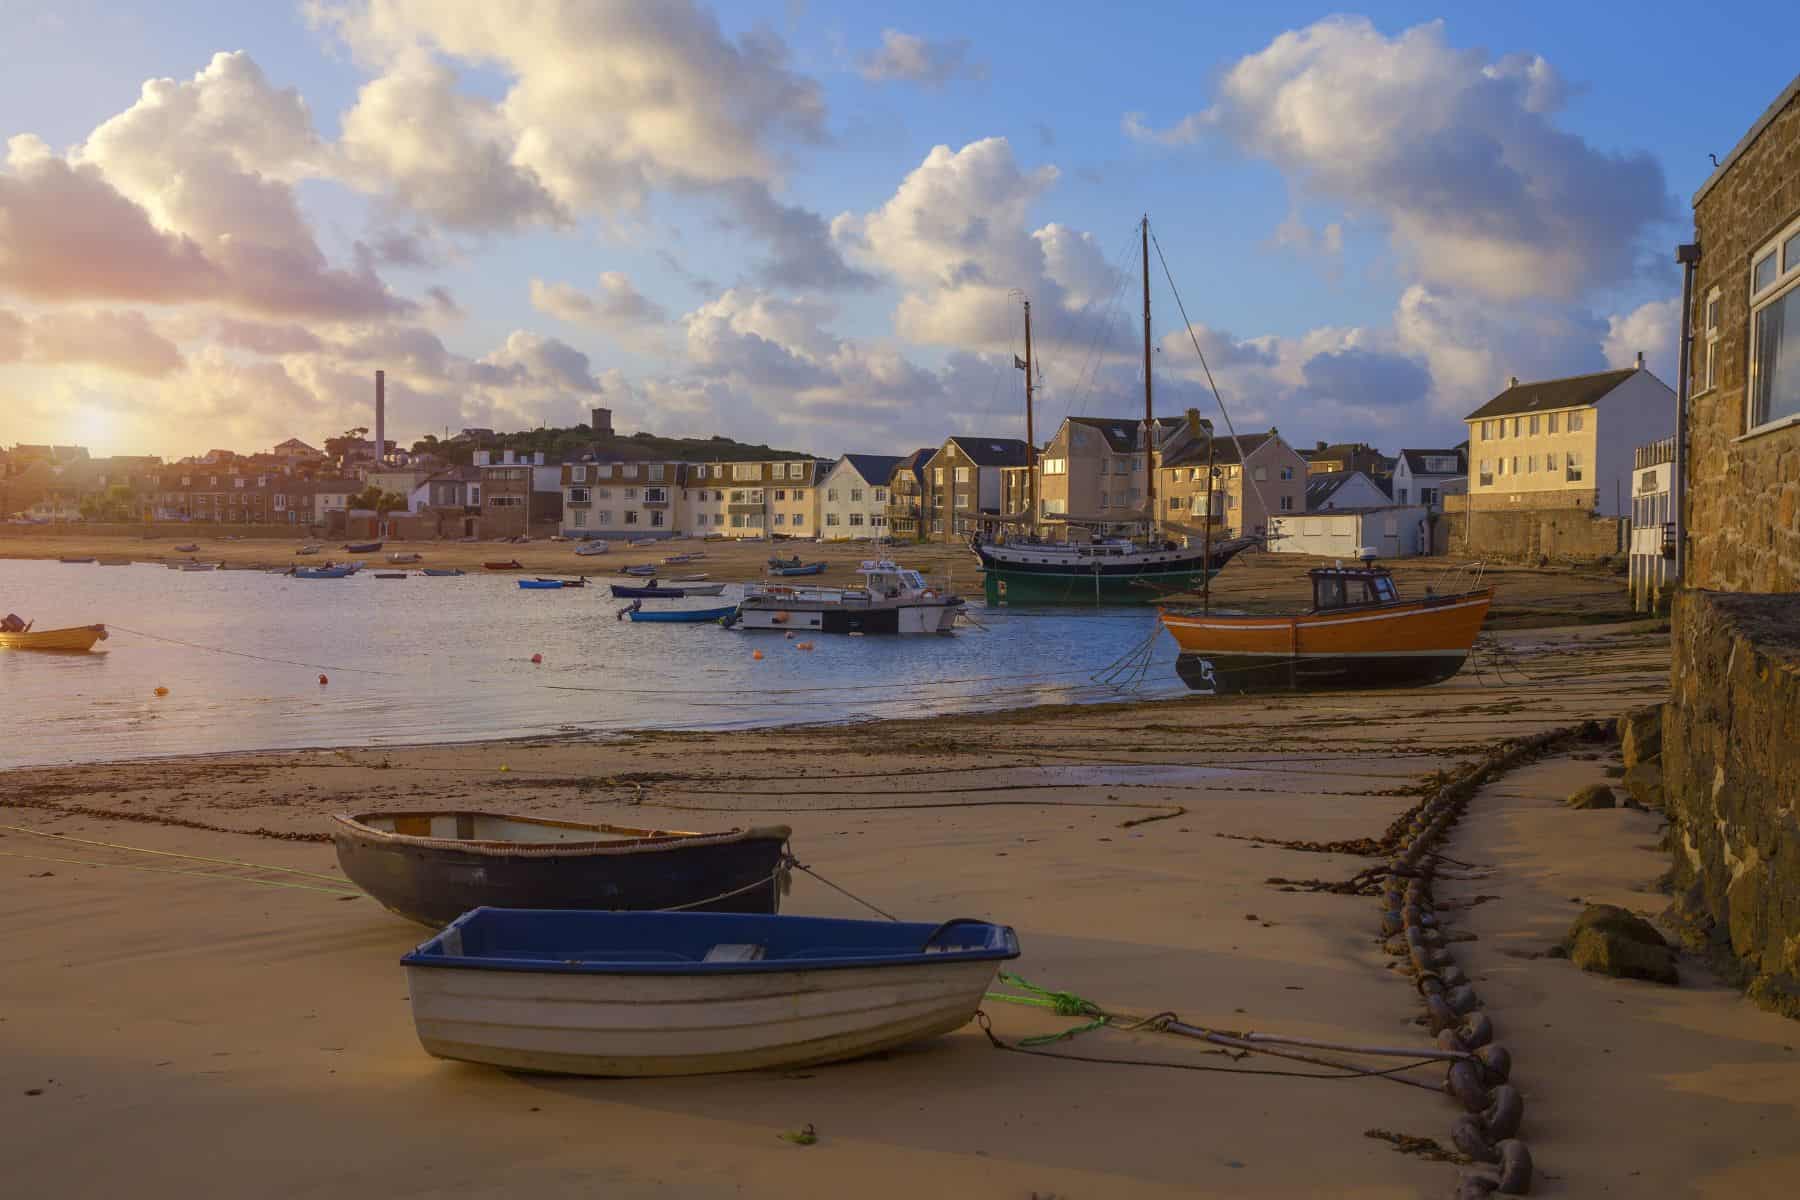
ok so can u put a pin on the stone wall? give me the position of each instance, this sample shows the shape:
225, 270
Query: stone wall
1731, 778
1743, 497
1559, 534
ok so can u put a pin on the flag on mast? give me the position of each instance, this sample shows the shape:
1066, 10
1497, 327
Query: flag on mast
1018, 363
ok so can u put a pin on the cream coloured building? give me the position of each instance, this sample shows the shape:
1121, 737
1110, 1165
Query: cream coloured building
1566, 443
752, 499
621, 499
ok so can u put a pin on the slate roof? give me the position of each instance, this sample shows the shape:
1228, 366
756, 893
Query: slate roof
1121, 433
1225, 449
874, 468
1321, 488
1342, 450
1415, 461
1576, 391
993, 452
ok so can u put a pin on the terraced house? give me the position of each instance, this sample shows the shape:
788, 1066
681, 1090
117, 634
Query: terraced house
966, 481
1094, 466
907, 491
754, 499
1259, 477
623, 499
200, 493
854, 497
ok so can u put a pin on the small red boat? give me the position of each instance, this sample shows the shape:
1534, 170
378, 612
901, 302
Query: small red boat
513, 565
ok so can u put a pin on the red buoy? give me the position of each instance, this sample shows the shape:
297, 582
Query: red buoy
537, 658
323, 680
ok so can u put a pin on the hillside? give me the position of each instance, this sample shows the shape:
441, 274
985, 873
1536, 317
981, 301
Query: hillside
558, 444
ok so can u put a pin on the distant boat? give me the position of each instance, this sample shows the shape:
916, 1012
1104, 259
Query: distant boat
689, 616
815, 568
683, 558
442, 572
645, 541
406, 558
541, 585
190, 548
115, 562
511, 565
623, 591
695, 578
568, 583
701, 589
677, 993
593, 547
73, 559
324, 572
76, 639
390, 574
431, 866
310, 549
893, 599
363, 547
642, 570
200, 566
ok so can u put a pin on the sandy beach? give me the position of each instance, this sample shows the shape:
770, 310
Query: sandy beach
174, 1033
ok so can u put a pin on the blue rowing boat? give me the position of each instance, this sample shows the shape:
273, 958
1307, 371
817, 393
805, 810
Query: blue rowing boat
442, 572
809, 569
541, 585
692, 616
580, 992
323, 572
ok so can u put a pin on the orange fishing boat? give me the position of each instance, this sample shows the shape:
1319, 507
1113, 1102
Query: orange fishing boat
1359, 633
79, 639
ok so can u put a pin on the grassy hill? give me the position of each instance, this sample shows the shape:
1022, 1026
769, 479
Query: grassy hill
558, 444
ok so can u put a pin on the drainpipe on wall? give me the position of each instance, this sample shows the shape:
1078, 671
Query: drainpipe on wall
1688, 255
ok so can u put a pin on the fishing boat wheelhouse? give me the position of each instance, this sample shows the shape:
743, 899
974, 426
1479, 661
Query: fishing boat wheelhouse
1359, 633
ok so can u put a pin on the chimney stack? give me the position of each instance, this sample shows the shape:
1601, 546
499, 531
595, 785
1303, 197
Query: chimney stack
380, 417
1512, 381
1640, 361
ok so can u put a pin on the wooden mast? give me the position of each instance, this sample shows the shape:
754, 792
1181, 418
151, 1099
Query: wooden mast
1149, 412
1031, 477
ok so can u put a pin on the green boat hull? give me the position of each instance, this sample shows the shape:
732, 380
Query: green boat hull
1038, 587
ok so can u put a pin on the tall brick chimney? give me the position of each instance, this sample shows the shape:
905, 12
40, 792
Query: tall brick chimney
380, 417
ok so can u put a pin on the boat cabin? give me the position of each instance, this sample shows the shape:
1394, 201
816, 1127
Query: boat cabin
886, 578
1351, 587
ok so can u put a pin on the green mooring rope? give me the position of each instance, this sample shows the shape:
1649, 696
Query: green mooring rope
1064, 1004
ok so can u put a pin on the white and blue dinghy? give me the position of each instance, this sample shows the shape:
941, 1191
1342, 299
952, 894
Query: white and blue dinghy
578, 992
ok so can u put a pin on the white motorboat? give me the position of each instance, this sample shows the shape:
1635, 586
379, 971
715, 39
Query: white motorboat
893, 599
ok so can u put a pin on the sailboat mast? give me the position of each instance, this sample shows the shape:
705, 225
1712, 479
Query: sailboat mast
1031, 477
1149, 412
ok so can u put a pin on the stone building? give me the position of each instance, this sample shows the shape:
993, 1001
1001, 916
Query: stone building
1730, 762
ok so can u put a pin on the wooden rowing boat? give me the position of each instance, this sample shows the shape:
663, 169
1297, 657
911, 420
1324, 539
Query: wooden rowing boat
77, 639
646, 994
432, 866
1359, 633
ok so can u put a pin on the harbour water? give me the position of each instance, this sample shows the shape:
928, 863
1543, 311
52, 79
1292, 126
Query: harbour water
449, 659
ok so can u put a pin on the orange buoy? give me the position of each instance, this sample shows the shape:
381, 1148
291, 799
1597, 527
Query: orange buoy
537, 658
803, 645
504, 767
323, 680
756, 655
780, 618
162, 691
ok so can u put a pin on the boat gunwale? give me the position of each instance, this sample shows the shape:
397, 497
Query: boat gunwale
1348, 614
644, 841
422, 956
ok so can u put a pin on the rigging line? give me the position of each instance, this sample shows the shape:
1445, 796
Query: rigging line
1091, 365
342, 893
232, 862
1249, 477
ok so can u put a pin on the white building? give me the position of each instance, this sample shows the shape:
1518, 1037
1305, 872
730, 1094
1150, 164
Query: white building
853, 497
1390, 530
1427, 476
752, 499
1652, 525
1344, 489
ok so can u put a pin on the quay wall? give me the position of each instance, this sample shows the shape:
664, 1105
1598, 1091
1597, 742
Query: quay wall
1524, 535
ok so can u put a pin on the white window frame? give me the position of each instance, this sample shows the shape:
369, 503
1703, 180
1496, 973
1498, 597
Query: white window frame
1577, 422
962, 474
1555, 419
1784, 248
1709, 363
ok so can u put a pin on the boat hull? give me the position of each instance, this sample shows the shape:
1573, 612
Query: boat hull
435, 879
926, 616
1405, 644
694, 1017
1028, 574
77, 640
692, 616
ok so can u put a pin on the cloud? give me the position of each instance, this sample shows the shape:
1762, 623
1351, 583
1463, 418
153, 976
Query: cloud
1473, 347
1457, 155
1653, 329
528, 358
615, 304
261, 338
443, 153
122, 341
605, 101
913, 59
1184, 132
801, 253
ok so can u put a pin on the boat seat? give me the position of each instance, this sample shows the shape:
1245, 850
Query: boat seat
735, 952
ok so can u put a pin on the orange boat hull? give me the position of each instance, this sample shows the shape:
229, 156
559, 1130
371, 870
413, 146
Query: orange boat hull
79, 639
1409, 642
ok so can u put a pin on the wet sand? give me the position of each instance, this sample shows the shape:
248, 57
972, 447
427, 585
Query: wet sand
185, 1034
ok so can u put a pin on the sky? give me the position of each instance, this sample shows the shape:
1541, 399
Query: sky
813, 224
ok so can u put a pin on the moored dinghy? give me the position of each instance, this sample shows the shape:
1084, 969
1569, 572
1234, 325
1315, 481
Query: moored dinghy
432, 866
77, 639
645, 994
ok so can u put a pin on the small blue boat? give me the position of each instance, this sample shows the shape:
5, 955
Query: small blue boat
323, 572
809, 569
541, 585
622, 591
442, 572
692, 616
582, 992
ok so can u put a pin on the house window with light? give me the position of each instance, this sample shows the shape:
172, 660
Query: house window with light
1774, 393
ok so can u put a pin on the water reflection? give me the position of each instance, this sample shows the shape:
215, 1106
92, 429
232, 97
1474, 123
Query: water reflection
449, 659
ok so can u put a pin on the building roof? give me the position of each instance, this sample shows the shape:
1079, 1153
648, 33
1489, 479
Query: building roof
1355, 511
1340, 450
992, 451
1575, 391
1415, 461
1321, 488
1121, 433
1226, 449
874, 468
1788, 94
